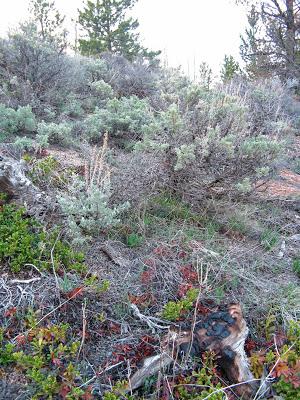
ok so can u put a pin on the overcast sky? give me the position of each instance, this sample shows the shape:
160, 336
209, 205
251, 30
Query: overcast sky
187, 31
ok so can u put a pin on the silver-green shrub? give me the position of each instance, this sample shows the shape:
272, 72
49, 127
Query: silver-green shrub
126, 116
55, 133
72, 107
87, 211
17, 121
208, 142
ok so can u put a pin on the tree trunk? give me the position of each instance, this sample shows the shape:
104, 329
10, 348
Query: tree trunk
290, 38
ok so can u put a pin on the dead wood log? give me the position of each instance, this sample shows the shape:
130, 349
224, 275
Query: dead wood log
15, 185
224, 332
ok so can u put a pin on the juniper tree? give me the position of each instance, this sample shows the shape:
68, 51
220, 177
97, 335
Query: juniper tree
107, 29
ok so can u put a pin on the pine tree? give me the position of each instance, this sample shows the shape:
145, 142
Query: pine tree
108, 30
272, 42
230, 68
49, 22
205, 75
253, 46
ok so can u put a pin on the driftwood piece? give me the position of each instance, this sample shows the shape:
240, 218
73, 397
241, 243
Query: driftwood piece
18, 188
224, 332
13, 180
114, 254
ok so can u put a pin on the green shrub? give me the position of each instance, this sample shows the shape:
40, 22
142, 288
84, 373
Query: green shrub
121, 116
169, 207
55, 133
17, 121
204, 382
208, 145
269, 239
286, 390
102, 89
47, 362
261, 146
42, 171
24, 241
24, 143
296, 266
6, 350
134, 240
73, 107
173, 309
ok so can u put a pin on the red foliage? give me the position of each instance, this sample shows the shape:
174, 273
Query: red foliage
64, 391
250, 345
134, 353
162, 251
189, 274
43, 153
147, 276
21, 340
183, 288
150, 262
81, 170
281, 369
114, 327
56, 361
202, 309
182, 254
88, 394
291, 375
10, 312
143, 300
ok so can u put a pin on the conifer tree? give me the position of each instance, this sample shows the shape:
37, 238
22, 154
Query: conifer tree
107, 29
271, 44
230, 68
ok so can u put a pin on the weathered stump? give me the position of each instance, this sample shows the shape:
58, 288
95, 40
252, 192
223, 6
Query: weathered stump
224, 332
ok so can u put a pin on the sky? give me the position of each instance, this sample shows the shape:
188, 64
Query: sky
187, 31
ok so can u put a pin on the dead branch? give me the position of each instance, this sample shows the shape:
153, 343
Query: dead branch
150, 321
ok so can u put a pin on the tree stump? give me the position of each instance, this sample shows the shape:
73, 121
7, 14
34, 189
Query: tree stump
224, 332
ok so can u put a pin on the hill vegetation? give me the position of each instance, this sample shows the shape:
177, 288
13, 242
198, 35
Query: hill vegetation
149, 191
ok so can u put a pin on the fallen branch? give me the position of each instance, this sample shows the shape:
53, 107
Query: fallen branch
100, 373
25, 281
150, 321
114, 255
84, 323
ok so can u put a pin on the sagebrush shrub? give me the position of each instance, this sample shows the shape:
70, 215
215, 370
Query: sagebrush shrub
137, 78
72, 107
12, 121
129, 116
35, 71
102, 89
88, 212
86, 204
55, 133
209, 141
